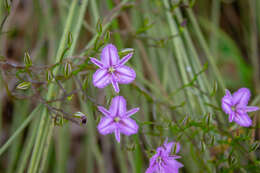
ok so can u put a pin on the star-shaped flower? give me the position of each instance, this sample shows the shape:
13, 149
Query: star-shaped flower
163, 162
236, 106
117, 119
112, 69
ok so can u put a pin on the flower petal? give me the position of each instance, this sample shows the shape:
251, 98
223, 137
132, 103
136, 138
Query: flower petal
243, 120
125, 59
125, 75
115, 84
101, 78
117, 135
251, 108
170, 146
104, 111
152, 169
96, 62
106, 126
118, 106
172, 165
227, 103
128, 126
241, 97
109, 55
231, 117
131, 112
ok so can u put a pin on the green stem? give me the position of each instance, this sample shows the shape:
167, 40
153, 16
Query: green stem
205, 47
27, 146
20, 112
19, 130
215, 20
179, 50
51, 87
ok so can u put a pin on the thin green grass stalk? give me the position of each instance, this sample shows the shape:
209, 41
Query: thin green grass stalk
94, 11
27, 146
63, 144
37, 156
1, 104
39, 139
49, 25
215, 21
179, 48
195, 63
121, 160
180, 52
91, 130
205, 48
78, 25
20, 113
42, 145
254, 44
50, 93
46, 151
89, 156
19, 130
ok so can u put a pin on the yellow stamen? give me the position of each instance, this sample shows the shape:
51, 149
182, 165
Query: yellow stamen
117, 119
111, 69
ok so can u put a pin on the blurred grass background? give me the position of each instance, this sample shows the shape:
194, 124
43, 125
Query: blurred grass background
186, 53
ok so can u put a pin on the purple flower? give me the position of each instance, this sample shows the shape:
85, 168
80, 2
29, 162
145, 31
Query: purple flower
163, 162
117, 119
236, 106
112, 69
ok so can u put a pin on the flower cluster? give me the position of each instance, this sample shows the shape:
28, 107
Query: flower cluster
117, 119
112, 70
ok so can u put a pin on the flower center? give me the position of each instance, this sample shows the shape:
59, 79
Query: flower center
159, 159
233, 108
117, 119
111, 69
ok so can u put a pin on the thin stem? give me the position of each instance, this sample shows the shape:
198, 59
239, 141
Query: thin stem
51, 87
27, 147
205, 47
19, 130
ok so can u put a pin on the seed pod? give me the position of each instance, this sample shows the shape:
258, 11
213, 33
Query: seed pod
23, 85
125, 52
99, 27
82, 116
70, 39
27, 59
49, 76
67, 69
107, 36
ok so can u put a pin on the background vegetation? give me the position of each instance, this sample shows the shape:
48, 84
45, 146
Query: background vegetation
186, 52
